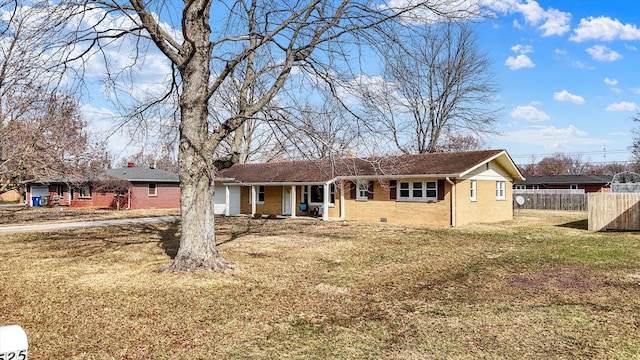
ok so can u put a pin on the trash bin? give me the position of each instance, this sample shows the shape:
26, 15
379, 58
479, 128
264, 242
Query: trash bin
35, 201
44, 200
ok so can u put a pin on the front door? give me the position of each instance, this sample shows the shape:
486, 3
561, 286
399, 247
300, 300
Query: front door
286, 200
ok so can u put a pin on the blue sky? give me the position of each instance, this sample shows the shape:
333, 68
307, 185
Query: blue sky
568, 72
569, 76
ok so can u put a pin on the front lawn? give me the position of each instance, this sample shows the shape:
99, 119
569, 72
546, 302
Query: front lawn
540, 286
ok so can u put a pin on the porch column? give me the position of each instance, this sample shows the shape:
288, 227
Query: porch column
342, 214
293, 201
325, 202
226, 200
253, 200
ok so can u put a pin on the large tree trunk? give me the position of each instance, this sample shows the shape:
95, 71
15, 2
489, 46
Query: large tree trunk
196, 171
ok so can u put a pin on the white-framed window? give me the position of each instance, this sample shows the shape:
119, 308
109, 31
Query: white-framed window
317, 194
153, 190
535, 187
259, 192
500, 190
418, 190
473, 190
521, 187
59, 190
363, 191
574, 187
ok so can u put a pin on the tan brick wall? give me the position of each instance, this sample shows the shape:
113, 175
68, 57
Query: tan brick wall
398, 212
487, 208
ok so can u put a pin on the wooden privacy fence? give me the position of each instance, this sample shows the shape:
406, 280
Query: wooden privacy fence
614, 211
551, 200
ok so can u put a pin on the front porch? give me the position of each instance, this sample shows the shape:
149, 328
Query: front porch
307, 200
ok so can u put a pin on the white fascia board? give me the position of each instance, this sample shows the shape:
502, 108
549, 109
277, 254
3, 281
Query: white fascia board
275, 183
401, 176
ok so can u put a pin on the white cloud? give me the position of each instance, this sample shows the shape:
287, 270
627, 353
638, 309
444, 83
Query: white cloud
550, 21
519, 62
604, 28
565, 96
552, 138
522, 49
603, 53
623, 106
529, 113
581, 65
610, 82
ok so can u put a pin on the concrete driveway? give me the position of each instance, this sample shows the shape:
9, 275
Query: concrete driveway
84, 224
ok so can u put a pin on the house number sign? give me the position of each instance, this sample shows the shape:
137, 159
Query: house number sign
13, 343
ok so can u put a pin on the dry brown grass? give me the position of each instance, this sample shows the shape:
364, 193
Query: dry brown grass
537, 287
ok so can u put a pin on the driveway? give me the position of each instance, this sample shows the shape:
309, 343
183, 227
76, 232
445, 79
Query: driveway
84, 224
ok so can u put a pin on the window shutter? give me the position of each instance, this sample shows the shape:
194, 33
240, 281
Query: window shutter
440, 189
352, 189
393, 194
370, 192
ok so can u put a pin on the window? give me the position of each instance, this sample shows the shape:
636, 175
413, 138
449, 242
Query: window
574, 187
500, 194
260, 193
59, 190
521, 187
153, 190
419, 190
363, 191
432, 190
404, 189
317, 194
535, 187
472, 185
85, 191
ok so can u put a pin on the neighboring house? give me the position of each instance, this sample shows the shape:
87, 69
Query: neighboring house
587, 182
123, 188
440, 189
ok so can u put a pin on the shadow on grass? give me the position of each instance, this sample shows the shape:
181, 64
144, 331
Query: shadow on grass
578, 224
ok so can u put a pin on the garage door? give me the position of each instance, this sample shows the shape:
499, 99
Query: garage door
220, 200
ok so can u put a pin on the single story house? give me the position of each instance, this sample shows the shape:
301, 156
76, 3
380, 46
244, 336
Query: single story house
129, 187
439, 189
587, 182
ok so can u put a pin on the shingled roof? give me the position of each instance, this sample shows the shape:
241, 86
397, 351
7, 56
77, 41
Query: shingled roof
143, 174
323, 170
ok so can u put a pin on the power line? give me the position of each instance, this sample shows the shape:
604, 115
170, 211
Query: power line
572, 154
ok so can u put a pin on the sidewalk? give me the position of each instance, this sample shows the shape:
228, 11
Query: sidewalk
84, 224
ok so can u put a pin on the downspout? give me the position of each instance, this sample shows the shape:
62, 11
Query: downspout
453, 201
129, 199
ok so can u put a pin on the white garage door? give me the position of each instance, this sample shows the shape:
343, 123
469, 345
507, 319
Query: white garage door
220, 200
38, 191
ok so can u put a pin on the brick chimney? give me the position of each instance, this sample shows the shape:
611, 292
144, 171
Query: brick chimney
130, 164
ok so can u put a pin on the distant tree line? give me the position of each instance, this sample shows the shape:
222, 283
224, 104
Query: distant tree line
565, 164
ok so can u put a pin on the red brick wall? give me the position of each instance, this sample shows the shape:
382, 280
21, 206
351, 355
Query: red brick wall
168, 196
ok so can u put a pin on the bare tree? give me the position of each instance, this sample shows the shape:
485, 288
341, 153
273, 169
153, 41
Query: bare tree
562, 164
251, 42
44, 136
438, 82
163, 160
